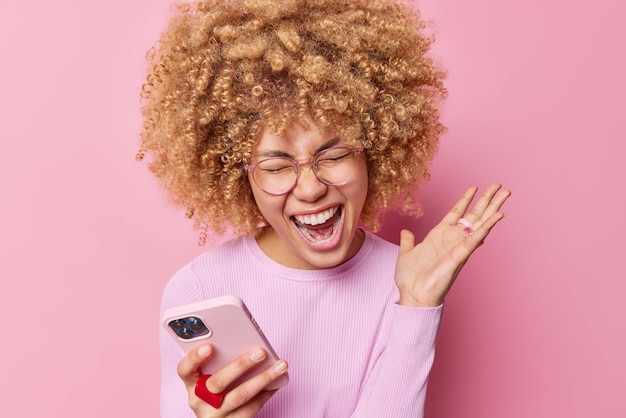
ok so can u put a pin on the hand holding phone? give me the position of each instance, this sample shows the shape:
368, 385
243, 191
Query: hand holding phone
226, 324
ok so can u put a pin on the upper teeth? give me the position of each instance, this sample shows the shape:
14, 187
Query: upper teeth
317, 218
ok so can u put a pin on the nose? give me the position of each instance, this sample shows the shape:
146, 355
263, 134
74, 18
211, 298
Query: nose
308, 187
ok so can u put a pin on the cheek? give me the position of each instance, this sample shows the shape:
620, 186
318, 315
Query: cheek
356, 193
362, 183
269, 206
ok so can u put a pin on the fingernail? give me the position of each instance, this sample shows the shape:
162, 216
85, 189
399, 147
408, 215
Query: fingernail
280, 367
203, 350
257, 355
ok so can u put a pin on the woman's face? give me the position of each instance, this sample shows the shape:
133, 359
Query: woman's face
292, 239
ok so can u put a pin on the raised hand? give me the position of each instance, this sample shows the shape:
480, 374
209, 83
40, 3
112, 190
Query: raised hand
426, 271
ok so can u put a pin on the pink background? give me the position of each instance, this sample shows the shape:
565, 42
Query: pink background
533, 328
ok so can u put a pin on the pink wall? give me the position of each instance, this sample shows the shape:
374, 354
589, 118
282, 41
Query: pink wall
535, 326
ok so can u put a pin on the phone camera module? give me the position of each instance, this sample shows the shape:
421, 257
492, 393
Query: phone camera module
188, 328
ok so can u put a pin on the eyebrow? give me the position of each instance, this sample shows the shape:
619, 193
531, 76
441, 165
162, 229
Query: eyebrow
275, 153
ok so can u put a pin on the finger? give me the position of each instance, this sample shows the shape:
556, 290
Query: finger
223, 378
251, 388
189, 367
460, 207
478, 236
499, 200
255, 405
407, 240
483, 203
495, 204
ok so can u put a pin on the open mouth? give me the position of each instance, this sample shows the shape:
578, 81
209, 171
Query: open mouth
320, 227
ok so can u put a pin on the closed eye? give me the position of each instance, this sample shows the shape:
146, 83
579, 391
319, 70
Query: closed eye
337, 158
276, 166
276, 170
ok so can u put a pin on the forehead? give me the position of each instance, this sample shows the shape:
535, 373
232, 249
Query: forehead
296, 141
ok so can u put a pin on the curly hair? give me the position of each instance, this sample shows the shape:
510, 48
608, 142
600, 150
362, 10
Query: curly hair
224, 70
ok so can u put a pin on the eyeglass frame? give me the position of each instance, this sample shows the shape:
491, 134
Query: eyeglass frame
297, 163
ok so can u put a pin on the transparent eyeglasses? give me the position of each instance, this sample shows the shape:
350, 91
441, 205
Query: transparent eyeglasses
278, 175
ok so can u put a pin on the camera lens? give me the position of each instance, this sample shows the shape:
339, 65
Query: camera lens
178, 324
186, 333
196, 325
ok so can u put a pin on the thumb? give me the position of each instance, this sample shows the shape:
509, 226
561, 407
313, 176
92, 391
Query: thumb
407, 240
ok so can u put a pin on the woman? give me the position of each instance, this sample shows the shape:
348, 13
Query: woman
296, 124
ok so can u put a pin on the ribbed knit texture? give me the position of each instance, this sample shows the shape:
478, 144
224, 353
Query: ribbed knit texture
352, 351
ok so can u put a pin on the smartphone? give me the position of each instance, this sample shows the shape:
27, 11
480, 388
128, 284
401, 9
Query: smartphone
226, 324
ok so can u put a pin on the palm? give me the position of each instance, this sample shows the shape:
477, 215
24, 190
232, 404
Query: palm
425, 272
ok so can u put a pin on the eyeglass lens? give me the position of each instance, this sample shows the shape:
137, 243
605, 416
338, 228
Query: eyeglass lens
334, 167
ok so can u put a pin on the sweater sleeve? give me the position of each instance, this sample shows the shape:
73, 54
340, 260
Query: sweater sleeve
396, 387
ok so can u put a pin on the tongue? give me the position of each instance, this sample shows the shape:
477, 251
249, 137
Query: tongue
321, 233
323, 230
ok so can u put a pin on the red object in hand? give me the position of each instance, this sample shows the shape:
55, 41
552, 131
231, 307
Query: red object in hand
213, 399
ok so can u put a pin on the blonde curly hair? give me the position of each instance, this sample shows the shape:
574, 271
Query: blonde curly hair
224, 70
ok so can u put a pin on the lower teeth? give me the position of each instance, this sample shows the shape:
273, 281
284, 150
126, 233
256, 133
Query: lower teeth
316, 235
